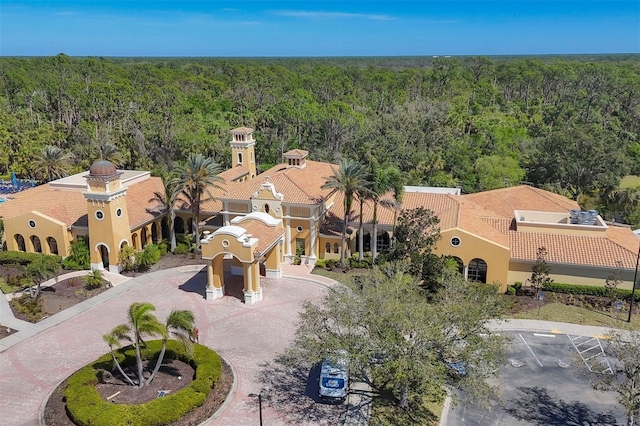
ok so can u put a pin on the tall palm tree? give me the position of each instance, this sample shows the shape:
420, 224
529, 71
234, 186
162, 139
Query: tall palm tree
384, 179
180, 325
395, 183
166, 201
196, 178
142, 322
110, 151
348, 179
54, 161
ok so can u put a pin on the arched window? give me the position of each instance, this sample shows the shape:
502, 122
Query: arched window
477, 271
336, 248
239, 158
20, 242
53, 245
134, 240
35, 241
327, 248
143, 237
266, 208
178, 225
382, 242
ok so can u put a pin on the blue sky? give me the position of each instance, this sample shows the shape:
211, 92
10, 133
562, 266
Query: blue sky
317, 28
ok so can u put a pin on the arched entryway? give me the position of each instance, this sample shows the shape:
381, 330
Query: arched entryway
178, 225
477, 271
35, 242
104, 255
53, 245
20, 242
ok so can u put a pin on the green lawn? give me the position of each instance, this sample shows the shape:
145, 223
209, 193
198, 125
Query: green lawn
559, 312
630, 181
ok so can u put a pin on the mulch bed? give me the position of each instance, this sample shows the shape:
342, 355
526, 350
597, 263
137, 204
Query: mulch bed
55, 413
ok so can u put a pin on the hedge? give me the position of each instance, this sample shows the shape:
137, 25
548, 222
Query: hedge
87, 407
589, 290
23, 258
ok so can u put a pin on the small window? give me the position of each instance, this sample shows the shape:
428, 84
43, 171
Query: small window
119, 212
99, 215
299, 228
32, 224
327, 248
266, 208
239, 158
336, 248
225, 243
455, 241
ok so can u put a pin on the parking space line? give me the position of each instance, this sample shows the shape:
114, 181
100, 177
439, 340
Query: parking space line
530, 350
544, 335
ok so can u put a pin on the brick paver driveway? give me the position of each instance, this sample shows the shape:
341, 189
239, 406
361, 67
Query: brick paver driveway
248, 337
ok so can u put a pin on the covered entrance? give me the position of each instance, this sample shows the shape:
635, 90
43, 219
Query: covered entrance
249, 240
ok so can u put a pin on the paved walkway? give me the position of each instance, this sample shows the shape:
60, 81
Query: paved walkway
249, 337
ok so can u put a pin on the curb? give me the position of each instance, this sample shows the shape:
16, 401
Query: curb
228, 399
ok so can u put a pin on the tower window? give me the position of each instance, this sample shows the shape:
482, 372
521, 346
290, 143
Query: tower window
99, 215
239, 158
119, 212
32, 224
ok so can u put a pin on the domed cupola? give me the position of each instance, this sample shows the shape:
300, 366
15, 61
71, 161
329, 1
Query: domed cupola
103, 169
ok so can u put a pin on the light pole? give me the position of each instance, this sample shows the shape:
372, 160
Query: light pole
259, 396
633, 289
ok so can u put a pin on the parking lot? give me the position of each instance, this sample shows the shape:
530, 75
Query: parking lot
545, 381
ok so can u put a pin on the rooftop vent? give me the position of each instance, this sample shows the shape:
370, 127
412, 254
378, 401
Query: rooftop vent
579, 217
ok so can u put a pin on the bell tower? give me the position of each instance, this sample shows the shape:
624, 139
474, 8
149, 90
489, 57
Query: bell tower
243, 150
107, 216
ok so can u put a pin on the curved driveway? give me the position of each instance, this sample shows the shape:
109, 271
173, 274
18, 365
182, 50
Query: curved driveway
248, 337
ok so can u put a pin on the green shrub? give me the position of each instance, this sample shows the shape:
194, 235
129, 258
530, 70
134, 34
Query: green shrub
79, 257
23, 258
94, 279
182, 248
163, 247
588, 290
517, 285
86, 406
355, 263
32, 307
148, 256
7, 288
321, 263
511, 291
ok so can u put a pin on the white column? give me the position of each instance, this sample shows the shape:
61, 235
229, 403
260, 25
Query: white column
312, 242
287, 241
466, 272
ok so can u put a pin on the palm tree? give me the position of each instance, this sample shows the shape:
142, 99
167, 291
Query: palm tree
166, 201
196, 179
384, 179
349, 179
180, 325
142, 322
397, 186
110, 151
54, 161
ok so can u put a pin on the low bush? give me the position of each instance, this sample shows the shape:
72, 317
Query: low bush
354, 262
86, 406
517, 285
163, 247
182, 248
6, 288
511, 291
589, 290
93, 280
23, 258
321, 263
148, 256
32, 307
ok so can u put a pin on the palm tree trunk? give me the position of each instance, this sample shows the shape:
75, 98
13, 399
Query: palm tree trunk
360, 236
158, 363
374, 237
125, 375
139, 364
172, 230
404, 396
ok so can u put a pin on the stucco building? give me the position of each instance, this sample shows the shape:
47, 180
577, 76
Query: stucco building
255, 222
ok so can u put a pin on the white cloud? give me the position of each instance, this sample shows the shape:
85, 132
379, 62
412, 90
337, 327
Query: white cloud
332, 15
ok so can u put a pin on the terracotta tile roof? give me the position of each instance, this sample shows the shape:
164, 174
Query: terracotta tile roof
70, 207
296, 153
141, 206
234, 173
266, 235
242, 130
573, 249
504, 201
299, 186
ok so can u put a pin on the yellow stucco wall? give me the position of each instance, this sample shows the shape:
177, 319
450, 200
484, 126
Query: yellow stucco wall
111, 231
45, 227
568, 274
472, 247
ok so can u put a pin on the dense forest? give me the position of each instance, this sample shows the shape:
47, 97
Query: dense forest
569, 124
